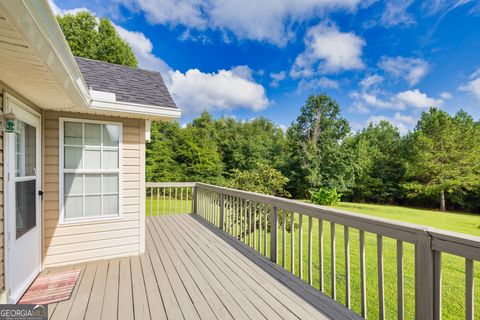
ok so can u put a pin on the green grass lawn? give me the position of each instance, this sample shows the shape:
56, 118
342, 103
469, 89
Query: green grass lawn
167, 206
453, 267
453, 221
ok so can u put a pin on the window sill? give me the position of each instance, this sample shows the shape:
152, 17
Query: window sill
92, 220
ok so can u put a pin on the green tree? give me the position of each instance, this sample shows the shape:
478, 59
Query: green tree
182, 154
380, 169
161, 154
445, 156
316, 156
246, 144
198, 154
98, 40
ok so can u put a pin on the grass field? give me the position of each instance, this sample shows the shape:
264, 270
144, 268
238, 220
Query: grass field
453, 267
453, 221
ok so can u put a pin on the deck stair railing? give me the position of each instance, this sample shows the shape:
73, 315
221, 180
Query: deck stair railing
274, 227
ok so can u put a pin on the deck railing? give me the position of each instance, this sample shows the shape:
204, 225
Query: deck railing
166, 198
270, 225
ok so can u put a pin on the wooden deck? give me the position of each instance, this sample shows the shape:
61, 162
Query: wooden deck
192, 270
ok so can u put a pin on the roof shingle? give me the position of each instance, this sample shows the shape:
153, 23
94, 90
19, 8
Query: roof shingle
129, 84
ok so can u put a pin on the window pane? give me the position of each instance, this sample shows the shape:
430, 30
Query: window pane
93, 183
110, 205
26, 150
92, 158
110, 183
73, 133
93, 134
73, 206
73, 184
93, 206
25, 207
110, 135
93, 147
110, 159
73, 157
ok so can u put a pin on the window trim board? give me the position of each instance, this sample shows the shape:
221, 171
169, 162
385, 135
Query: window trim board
61, 171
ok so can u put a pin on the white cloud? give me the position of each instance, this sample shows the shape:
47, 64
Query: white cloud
142, 47
172, 12
432, 7
276, 78
417, 99
363, 101
410, 69
473, 86
370, 81
446, 95
395, 13
56, 10
317, 83
328, 50
475, 74
224, 90
359, 107
404, 123
267, 20
195, 91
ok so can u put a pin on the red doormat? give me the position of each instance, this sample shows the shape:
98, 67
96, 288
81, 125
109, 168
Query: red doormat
51, 287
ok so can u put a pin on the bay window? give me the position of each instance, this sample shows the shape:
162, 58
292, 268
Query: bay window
90, 169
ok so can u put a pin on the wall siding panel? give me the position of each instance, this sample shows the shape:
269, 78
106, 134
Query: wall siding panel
74, 243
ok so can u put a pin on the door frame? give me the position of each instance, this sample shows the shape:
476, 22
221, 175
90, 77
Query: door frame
26, 114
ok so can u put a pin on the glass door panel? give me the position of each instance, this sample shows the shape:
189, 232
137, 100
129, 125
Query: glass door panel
25, 178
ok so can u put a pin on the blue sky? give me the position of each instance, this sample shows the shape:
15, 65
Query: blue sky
248, 58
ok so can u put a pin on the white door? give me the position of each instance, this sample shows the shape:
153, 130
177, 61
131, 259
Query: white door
22, 199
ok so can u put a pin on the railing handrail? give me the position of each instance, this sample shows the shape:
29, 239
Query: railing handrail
399, 230
170, 184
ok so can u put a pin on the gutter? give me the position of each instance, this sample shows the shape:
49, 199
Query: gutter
106, 101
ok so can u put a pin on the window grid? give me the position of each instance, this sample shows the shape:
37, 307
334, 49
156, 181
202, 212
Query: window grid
101, 170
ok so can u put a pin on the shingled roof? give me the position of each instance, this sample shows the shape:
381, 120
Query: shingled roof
129, 84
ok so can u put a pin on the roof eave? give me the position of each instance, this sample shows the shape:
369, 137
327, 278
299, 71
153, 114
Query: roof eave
145, 111
39, 27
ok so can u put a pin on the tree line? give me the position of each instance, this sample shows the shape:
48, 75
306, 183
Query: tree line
435, 165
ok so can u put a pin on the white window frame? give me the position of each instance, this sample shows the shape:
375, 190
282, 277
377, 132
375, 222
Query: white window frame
62, 171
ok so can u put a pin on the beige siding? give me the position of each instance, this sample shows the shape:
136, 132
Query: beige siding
71, 243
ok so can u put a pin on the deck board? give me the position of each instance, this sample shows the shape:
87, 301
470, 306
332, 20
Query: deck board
265, 303
94, 310
110, 300
286, 305
125, 295
192, 271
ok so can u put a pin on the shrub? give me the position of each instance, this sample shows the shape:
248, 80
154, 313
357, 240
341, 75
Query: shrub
323, 196
264, 179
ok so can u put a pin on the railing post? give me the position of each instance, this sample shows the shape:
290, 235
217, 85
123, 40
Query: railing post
222, 207
273, 235
424, 278
194, 199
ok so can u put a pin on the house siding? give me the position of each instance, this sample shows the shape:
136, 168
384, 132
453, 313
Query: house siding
77, 242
